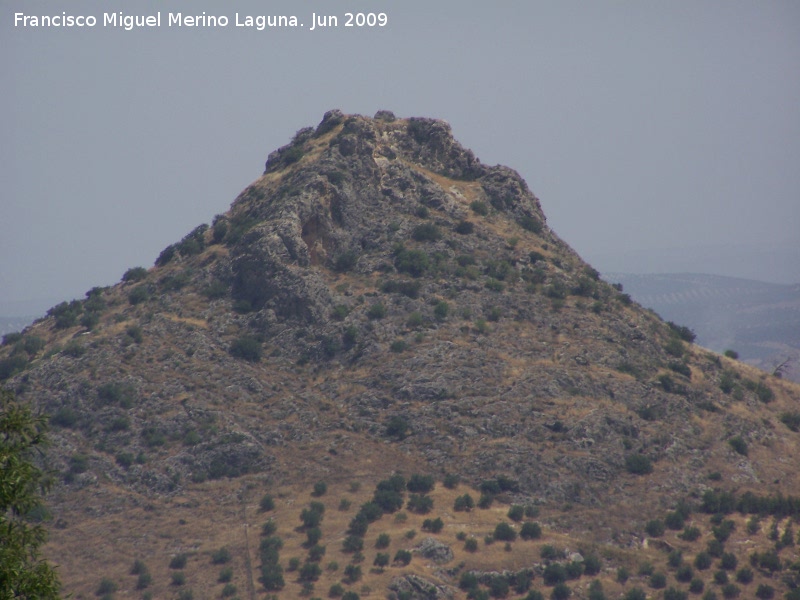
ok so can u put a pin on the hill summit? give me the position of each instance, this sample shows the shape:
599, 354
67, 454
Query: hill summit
379, 303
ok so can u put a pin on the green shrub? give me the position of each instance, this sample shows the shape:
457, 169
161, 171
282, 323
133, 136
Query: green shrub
166, 255
674, 520
441, 310
420, 484
397, 427
178, 561
574, 569
516, 512
674, 594
494, 285
658, 581
66, 313
403, 557
313, 535
465, 227
728, 561
531, 224
12, 365
426, 232
352, 544
107, 586
622, 575
221, 556
739, 445
310, 571
696, 585
143, 581
681, 368
530, 531
682, 332
433, 525
228, 590
765, 592
11, 338
385, 501
134, 332
479, 208
352, 573
247, 348
463, 503
791, 420
674, 347
178, 578
635, 593
115, 392
138, 295
732, 354
312, 516
655, 528
764, 393
684, 573
504, 532
471, 545
225, 575
702, 561
638, 464
271, 576
398, 346
408, 288
134, 274
266, 503
592, 564
414, 262
316, 553
554, 573
78, 463
420, 504
377, 311
345, 261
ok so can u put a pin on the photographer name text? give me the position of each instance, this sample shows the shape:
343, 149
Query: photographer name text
128, 22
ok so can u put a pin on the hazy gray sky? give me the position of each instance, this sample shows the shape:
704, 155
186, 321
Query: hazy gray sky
659, 136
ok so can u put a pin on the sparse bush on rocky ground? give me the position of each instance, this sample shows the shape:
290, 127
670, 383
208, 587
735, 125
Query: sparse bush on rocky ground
246, 348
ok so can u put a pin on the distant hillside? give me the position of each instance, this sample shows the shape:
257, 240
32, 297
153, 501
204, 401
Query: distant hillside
761, 321
11, 324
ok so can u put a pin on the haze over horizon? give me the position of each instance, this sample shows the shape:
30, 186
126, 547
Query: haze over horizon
658, 138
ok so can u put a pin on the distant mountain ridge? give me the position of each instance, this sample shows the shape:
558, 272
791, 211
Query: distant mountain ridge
11, 324
760, 321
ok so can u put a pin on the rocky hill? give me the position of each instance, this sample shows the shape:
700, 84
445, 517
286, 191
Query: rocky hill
379, 303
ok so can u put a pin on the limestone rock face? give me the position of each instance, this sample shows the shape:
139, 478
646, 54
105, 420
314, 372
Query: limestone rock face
417, 588
432, 549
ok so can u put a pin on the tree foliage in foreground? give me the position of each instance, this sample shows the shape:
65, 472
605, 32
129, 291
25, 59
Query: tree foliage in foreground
24, 574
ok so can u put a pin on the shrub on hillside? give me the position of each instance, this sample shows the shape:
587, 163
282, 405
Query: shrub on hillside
530, 224
247, 348
739, 445
134, 274
414, 262
504, 532
530, 531
420, 484
138, 295
638, 464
